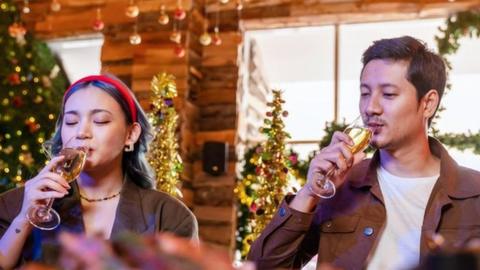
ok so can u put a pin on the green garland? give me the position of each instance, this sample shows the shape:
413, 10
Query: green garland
457, 26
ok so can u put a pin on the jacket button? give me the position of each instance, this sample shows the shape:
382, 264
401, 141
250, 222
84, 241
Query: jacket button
368, 231
282, 212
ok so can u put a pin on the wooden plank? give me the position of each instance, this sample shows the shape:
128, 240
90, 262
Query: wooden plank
145, 71
218, 234
117, 70
203, 179
114, 51
216, 96
197, 168
214, 196
187, 198
212, 213
221, 135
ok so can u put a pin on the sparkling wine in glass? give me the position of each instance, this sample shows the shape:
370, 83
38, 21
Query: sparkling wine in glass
44, 216
361, 136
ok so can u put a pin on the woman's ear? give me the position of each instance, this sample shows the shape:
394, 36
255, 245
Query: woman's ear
134, 132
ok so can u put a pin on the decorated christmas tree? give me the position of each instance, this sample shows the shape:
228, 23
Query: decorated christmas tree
31, 88
163, 154
267, 177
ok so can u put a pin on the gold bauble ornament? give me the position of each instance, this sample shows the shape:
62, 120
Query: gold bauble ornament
163, 19
135, 39
132, 11
55, 6
176, 36
205, 39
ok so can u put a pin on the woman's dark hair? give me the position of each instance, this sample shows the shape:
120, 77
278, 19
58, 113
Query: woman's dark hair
134, 163
426, 70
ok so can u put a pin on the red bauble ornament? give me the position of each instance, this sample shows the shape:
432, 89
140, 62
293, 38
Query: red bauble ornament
98, 25
216, 40
179, 14
16, 30
14, 79
179, 51
17, 102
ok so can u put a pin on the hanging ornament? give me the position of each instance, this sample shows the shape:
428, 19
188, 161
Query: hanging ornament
98, 24
205, 39
15, 30
179, 51
17, 101
55, 6
176, 36
239, 5
26, 7
14, 79
216, 40
135, 38
26, 158
163, 19
132, 10
179, 13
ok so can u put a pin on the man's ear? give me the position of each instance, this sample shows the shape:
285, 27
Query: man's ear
430, 102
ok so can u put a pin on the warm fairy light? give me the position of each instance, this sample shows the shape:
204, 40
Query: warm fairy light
51, 116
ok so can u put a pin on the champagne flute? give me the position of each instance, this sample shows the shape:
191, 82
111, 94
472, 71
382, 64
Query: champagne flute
361, 136
44, 216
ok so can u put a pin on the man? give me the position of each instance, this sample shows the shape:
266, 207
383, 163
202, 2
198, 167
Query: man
387, 209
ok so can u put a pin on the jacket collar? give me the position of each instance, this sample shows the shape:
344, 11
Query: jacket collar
453, 180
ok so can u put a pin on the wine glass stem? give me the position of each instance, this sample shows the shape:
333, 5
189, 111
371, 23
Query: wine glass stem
323, 181
49, 204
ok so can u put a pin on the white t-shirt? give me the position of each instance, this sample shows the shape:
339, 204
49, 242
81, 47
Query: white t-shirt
405, 200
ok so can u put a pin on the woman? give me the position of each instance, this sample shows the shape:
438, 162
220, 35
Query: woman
114, 191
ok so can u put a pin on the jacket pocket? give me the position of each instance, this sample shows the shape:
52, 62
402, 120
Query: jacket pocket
341, 224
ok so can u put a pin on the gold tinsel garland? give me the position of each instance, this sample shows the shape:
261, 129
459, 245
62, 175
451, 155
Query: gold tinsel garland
263, 191
163, 155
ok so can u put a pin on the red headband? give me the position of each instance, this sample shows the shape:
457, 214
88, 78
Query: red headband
122, 89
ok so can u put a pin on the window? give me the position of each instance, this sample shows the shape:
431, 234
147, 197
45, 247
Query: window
300, 61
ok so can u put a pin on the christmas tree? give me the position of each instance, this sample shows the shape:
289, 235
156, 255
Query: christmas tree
163, 154
267, 177
31, 85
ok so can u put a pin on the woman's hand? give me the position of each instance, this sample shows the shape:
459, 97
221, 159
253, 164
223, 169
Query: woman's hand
44, 186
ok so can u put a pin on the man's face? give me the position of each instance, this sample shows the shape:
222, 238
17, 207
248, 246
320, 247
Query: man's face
389, 105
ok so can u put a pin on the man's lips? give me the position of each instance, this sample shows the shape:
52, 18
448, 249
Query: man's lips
374, 126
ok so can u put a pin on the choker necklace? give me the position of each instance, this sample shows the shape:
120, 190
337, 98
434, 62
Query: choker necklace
100, 199
83, 197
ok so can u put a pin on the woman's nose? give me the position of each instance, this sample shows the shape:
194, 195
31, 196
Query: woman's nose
84, 130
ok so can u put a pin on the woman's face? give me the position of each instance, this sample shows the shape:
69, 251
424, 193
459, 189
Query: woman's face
94, 119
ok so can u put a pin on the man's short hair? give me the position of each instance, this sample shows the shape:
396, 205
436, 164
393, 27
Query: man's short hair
426, 69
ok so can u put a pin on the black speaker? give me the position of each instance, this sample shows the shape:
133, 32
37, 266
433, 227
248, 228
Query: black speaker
215, 157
